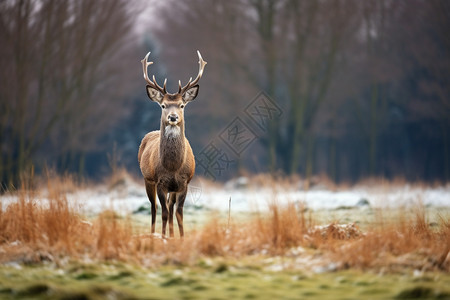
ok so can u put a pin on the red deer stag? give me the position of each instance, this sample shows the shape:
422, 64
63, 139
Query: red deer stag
165, 156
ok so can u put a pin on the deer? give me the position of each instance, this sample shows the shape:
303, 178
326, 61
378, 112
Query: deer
165, 156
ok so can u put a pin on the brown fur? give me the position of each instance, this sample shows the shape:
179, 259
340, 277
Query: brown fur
165, 156
152, 167
168, 165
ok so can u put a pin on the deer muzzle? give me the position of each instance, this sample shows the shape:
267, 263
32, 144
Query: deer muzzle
173, 119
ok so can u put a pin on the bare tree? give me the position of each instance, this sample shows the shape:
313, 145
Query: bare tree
319, 30
61, 82
423, 38
354, 79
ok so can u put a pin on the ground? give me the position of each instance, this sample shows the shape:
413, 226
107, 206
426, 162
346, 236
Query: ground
214, 279
363, 242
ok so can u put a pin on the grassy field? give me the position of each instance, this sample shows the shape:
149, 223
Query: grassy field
217, 278
52, 252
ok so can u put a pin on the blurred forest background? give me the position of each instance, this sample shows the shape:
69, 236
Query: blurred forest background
364, 86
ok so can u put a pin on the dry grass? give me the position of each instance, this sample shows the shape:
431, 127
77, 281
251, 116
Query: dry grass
410, 241
32, 233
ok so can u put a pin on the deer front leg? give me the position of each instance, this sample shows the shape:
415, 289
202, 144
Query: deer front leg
162, 195
181, 197
151, 194
172, 200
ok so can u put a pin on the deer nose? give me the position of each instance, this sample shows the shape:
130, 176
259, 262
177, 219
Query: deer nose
173, 118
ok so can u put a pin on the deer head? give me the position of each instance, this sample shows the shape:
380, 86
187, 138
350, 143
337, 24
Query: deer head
172, 105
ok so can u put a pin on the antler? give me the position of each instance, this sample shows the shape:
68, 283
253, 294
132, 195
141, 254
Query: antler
201, 66
153, 82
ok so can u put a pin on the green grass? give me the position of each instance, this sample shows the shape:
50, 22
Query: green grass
211, 279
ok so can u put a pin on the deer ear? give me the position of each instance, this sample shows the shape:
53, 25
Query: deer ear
190, 94
154, 94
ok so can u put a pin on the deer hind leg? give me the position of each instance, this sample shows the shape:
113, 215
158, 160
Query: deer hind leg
151, 193
181, 197
172, 201
162, 195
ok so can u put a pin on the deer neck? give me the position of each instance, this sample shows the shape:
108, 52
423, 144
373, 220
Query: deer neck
172, 146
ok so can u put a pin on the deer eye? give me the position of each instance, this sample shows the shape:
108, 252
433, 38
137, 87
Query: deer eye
182, 106
163, 106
